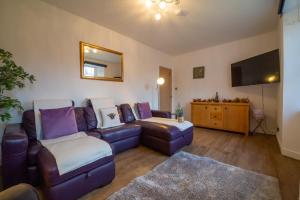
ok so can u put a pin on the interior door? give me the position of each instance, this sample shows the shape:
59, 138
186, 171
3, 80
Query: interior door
165, 90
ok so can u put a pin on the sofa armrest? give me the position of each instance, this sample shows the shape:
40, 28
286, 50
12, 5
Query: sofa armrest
47, 166
14, 155
163, 114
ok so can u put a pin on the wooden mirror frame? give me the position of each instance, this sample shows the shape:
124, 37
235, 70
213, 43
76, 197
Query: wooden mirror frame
82, 76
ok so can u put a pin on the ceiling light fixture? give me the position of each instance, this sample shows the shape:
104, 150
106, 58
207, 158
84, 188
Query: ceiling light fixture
148, 3
161, 7
157, 16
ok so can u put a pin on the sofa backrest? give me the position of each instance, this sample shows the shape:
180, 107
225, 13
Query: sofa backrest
85, 118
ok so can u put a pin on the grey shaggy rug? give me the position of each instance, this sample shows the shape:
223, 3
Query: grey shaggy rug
187, 176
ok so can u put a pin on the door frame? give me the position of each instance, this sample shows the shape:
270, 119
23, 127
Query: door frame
171, 87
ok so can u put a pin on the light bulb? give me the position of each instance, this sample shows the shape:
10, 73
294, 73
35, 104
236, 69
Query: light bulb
160, 81
86, 51
157, 16
162, 5
148, 3
95, 50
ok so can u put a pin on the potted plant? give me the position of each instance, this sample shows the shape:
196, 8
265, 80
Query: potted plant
179, 113
11, 77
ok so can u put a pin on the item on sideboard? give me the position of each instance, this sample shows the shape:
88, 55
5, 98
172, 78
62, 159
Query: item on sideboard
179, 113
216, 99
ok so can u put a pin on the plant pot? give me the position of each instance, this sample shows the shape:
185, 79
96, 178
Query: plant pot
180, 119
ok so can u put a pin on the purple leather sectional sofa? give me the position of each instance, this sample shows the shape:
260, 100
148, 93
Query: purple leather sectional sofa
25, 160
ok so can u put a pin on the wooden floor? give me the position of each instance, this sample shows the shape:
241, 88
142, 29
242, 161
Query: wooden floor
259, 153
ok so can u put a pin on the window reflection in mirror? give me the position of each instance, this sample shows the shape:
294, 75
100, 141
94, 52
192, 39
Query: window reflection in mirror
100, 63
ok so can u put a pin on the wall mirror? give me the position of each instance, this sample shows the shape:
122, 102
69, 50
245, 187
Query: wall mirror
99, 63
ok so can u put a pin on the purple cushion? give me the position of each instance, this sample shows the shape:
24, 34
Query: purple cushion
144, 110
58, 122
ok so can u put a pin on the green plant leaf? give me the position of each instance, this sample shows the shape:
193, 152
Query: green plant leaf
12, 76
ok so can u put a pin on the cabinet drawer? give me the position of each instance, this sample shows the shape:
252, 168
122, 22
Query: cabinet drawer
215, 108
216, 124
216, 116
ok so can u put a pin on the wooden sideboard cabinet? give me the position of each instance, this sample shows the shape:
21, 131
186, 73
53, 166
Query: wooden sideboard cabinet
224, 116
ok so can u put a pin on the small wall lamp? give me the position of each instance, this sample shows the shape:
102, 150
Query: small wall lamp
160, 81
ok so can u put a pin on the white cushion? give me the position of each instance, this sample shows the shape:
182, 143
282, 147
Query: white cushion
171, 122
110, 117
47, 104
99, 103
135, 110
77, 150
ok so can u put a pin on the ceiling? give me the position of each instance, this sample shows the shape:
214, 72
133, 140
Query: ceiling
207, 22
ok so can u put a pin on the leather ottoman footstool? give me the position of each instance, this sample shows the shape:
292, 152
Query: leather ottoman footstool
164, 138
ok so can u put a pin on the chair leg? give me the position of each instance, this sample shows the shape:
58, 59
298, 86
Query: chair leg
259, 124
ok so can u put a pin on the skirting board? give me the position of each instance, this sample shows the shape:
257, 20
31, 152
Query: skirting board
288, 152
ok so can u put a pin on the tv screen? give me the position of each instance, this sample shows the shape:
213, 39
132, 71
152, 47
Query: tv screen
261, 69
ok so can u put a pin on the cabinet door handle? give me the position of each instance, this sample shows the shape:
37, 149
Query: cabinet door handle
225, 108
205, 107
215, 108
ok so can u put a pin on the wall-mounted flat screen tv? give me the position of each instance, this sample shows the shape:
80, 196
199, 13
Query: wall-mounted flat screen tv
261, 69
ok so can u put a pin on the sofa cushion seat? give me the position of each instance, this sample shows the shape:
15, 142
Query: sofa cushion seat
182, 126
76, 150
50, 173
118, 133
162, 131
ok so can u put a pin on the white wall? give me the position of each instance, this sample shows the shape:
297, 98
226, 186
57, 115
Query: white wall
45, 41
289, 136
280, 87
217, 61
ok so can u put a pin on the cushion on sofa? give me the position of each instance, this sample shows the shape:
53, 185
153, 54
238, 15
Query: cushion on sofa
171, 122
120, 133
28, 121
80, 119
110, 117
97, 104
165, 132
47, 104
90, 117
58, 122
135, 110
120, 114
144, 110
127, 113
